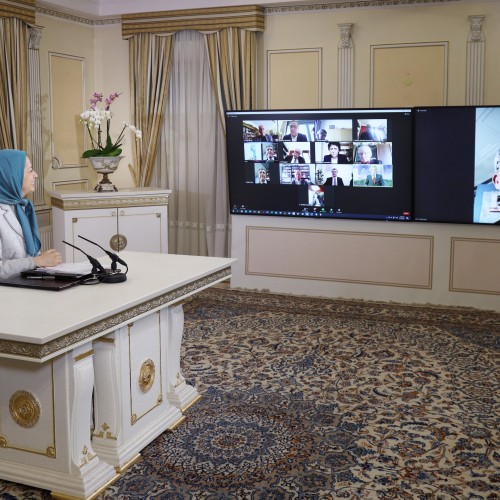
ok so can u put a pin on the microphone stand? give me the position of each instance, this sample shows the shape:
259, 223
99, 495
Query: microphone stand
97, 270
115, 276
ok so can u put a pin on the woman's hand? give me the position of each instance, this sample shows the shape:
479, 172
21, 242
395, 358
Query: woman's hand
50, 258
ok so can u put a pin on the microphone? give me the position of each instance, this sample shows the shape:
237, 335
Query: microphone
97, 270
115, 276
114, 258
96, 265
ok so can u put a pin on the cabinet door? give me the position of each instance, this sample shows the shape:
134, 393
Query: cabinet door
96, 225
142, 229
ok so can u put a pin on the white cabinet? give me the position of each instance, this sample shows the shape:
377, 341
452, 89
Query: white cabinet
132, 219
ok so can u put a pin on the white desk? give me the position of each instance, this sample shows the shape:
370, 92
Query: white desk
128, 337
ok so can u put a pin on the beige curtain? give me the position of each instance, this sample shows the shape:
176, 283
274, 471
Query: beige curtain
14, 35
150, 65
232, 56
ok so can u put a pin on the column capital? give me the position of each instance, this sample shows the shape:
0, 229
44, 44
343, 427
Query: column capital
35, 37
345, 35
476, 24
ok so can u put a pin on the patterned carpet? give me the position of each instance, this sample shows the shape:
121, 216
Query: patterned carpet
317, 398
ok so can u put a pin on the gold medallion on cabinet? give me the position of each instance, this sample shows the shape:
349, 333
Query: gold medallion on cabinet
118, 242
24, 408
147, 375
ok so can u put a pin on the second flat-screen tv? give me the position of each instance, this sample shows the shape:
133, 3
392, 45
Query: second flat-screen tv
457, 164
343, 163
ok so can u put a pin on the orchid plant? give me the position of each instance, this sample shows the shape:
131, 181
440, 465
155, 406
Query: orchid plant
93, 119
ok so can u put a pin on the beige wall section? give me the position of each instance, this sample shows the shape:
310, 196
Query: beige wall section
112, 75
475, 265
382, 26
366, 258
72, 40
299, 71
66, 98
104, 57
404, 242
400, 75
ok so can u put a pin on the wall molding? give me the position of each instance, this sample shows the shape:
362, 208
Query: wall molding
374, 48
78, 19
398, 260
354, 4
282, 9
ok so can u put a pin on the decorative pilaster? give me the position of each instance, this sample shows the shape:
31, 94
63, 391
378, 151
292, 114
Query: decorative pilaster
36, 150
475, 62
345, 81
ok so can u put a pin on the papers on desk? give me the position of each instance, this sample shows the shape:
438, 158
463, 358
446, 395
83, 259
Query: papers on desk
67, 269
52, 278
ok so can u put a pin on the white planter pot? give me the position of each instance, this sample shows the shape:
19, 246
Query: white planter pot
105, 165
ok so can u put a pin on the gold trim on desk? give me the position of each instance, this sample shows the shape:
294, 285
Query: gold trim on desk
91, 203
42, 353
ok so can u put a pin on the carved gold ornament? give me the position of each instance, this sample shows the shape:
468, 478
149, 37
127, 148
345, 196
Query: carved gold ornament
118, 242
147, 375
24, 409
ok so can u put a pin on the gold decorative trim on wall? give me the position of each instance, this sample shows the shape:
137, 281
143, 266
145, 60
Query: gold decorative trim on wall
250, 17
343, 256
21, 9
474, 266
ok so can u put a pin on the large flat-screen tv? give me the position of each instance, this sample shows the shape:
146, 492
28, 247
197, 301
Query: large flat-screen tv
340, 163
457, 162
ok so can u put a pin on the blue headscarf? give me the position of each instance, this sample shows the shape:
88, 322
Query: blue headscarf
12, 163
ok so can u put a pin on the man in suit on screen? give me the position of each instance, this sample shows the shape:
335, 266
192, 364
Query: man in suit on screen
294, 134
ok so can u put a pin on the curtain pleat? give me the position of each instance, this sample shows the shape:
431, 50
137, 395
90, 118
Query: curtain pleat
150, 66
233, 67
190, 156
193, 154
13, 84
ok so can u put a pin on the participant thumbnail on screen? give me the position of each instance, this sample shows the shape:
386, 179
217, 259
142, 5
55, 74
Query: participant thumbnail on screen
371, 129
295, 174
316, 196
260, 151
335, 175
487, 166
296, 131
262, 131
373, 152
372, 176
333, 152
333, 130
296, 152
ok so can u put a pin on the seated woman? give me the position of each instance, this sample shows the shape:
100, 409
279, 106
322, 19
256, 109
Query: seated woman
19, 237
